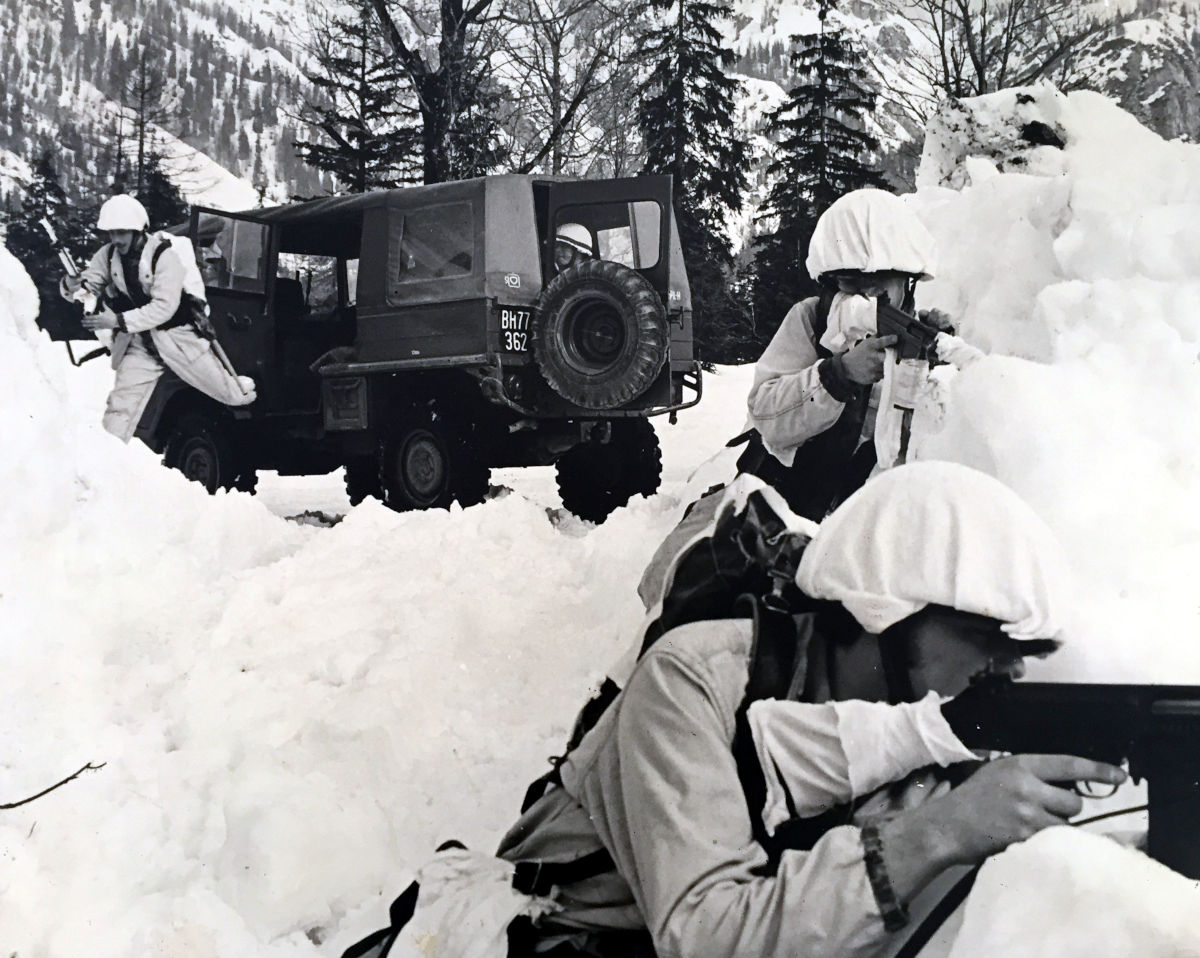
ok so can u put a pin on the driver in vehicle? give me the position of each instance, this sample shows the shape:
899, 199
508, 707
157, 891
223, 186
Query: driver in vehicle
572, 245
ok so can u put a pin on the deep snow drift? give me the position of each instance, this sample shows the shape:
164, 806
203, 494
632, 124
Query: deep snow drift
292, 716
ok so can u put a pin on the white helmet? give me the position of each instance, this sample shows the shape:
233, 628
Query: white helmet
123, 212
871, 231
576, 236
940, 533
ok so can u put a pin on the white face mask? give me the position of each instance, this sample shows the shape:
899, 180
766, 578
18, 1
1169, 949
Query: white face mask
851, 318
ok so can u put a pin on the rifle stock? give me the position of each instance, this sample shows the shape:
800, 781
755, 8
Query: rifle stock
1155, 728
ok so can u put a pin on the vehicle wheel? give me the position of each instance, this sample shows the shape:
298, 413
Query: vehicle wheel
200, 448
430, 464
601, 334
362, 479
596, 478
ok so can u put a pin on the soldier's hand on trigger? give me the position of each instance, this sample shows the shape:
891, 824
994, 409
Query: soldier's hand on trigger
104, 319
863, 363
1010, 799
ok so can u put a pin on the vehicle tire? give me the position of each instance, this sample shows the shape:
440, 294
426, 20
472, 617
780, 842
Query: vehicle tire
595, 478
429, 464
601, 334
362, 479
200, 448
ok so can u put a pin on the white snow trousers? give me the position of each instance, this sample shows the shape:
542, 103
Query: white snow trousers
191, 357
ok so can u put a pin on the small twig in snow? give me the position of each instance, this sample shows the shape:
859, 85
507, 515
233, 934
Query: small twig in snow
33, 798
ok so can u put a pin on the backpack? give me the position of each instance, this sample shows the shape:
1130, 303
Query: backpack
734, 556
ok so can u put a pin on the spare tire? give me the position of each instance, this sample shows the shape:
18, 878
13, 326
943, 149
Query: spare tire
601, 335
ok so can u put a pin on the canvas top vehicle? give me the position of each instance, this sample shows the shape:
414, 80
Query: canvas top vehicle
420, 337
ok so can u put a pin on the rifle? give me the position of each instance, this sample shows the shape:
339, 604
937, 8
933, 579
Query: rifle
1155, 728
89, 299
914, 337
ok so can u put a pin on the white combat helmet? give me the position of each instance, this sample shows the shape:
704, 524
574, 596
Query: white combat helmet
123, 212
576, 236
871, 231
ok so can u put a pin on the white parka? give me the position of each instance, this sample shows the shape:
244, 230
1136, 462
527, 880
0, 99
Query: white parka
656, 783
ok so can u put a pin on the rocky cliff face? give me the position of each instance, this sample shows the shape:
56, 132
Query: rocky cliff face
1151, 67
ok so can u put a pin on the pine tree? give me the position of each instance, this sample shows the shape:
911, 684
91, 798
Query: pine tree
825, 150
70, 27
368, 138
162, 199
687, 124
28, 242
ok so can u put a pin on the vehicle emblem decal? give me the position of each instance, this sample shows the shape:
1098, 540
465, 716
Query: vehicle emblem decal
512, 280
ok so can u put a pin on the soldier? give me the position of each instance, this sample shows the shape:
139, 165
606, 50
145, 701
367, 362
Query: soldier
153, 300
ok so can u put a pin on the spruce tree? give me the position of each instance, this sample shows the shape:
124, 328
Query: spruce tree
825, 150
367, 137
28, 242
69, 35
687, 124
162, 199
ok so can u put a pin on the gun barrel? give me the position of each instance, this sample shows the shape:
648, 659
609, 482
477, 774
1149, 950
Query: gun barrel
64, 254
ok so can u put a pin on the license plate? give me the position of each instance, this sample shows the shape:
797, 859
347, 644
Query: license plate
514, 329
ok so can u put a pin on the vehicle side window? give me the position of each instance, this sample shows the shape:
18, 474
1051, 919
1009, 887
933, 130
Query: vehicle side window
351, 281
437, 242
236, 256
317, 276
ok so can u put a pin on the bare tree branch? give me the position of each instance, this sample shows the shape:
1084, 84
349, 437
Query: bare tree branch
46, 791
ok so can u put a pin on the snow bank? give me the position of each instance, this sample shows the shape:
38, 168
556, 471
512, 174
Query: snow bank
1078, 268
1091, 898
291, 717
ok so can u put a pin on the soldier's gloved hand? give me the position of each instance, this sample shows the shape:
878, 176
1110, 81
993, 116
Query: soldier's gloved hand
863, 363
937, 318
955, 351
1011, 799
104, 319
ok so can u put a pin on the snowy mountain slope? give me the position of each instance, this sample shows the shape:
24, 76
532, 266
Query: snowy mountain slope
236, 68
228, 81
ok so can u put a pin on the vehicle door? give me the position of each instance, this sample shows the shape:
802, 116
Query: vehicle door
628, 220
235, 255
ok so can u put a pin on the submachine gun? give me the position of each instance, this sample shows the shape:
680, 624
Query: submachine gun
1155, 728
914, 337
89, 299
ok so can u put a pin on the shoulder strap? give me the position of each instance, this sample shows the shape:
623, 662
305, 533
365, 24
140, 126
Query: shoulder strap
379, 943
820, 320
774, 657
163, 246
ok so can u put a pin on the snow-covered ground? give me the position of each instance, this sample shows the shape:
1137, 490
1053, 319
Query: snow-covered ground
290, 716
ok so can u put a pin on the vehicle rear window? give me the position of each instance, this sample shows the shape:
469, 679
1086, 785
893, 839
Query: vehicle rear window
626, 233
437, 242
